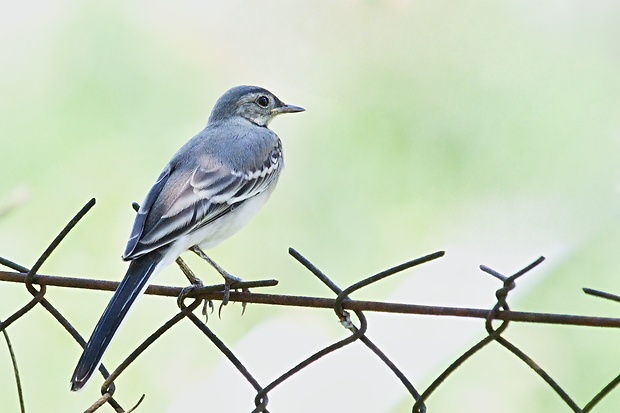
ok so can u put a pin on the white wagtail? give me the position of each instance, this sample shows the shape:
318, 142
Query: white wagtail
209, 190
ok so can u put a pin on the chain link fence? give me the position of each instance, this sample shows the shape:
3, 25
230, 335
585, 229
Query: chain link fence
342, 305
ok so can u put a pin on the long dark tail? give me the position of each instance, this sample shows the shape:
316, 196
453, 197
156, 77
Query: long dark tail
135, 281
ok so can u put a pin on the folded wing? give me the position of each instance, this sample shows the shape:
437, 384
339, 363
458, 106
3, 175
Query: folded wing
181, 202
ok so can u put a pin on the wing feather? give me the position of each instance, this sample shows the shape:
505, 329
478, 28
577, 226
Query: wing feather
201, 196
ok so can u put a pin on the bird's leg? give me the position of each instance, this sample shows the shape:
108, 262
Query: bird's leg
196, 283
229, 279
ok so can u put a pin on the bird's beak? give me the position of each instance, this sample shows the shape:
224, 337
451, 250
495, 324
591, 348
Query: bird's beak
286, 109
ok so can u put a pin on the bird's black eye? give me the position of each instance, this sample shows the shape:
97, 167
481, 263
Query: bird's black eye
262, 101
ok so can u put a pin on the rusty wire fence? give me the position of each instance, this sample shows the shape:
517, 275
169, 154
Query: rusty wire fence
342, 305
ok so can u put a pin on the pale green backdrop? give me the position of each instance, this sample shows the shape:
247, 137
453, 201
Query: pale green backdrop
488, 129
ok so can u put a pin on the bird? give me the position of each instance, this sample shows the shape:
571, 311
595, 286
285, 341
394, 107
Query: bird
211, 188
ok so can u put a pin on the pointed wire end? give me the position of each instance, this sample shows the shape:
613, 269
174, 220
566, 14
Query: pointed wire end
87, 206
601, 294
528, 268
492, 272
137, 404
295, 254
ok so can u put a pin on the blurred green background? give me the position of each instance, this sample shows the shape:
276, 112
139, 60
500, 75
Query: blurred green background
488, 129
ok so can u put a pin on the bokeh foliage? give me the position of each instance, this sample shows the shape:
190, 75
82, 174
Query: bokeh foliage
489, 129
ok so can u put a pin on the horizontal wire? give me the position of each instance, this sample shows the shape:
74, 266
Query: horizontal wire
215, 292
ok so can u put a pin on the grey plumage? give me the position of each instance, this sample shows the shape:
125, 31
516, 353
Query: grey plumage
208, 191
235, 163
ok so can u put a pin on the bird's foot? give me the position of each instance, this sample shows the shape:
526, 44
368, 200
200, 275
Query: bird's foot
186, 291
196, 283
229, 279
229, 282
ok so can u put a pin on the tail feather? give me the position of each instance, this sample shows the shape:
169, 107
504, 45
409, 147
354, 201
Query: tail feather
135, 282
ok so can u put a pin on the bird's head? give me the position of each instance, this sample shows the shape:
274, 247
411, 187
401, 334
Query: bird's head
253, 103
